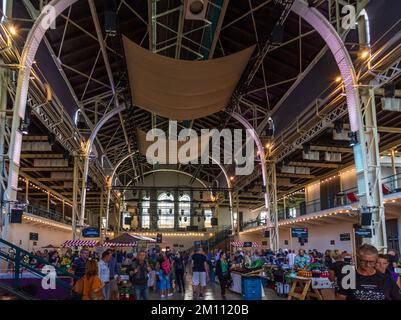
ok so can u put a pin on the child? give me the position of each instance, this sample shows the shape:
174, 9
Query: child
152, 279
164, 274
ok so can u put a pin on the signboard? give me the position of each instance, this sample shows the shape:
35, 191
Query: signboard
204, 242
247, 244
363, 233
345, 237
34, 236
91, 232
299, 232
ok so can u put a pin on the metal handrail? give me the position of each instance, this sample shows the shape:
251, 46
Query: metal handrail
18, 259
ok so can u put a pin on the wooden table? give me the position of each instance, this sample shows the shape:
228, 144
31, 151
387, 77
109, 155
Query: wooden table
301, 289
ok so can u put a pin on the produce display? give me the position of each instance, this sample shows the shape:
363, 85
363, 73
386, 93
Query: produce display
257, 264
304, 274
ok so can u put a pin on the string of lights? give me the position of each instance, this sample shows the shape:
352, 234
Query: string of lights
36, 187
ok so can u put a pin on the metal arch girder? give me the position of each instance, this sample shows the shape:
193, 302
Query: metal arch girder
42, 23
88, 148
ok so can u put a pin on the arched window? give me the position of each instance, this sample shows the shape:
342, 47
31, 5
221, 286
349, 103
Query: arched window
165, 210
184, 211
145, 213
208, 218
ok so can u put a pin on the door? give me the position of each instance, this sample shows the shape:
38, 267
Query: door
392, 234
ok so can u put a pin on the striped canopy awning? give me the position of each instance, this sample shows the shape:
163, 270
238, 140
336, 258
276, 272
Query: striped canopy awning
80, 243
241, 244
116, 244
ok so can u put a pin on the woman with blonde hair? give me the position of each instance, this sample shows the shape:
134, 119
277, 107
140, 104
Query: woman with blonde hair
90, 286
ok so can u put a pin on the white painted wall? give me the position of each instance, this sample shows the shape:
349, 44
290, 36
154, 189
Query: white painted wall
19, 235
319, 237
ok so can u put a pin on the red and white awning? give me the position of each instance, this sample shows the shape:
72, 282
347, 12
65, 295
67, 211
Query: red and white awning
241, 244
116, 244
80, 243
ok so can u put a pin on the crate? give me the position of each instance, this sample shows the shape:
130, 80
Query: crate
251, 288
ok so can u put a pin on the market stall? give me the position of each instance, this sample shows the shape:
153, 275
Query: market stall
246, 277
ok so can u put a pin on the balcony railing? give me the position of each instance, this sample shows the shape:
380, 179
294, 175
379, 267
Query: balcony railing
48, 214
390, 185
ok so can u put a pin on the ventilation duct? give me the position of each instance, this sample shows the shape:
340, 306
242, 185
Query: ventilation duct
391, 104
36, 146
311, 155
332, 157
50, 163
288, 169
302, 170
343, 135
61, 175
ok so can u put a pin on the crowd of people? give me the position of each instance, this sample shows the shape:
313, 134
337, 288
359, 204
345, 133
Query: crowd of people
97, 275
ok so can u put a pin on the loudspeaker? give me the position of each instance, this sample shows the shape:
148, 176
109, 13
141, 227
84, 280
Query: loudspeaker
277, 34
267, 234
366, 218
16, 215
128, 220
214, 222
159, 238
110, 17
195, 9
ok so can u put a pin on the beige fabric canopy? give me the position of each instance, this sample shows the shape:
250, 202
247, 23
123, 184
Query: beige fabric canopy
179, 89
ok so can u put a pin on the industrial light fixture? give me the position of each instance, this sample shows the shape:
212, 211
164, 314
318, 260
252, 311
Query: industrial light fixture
365, 54
182, 212
232, 178
24, 126
353, 139
170, 211
13, 30
339, 79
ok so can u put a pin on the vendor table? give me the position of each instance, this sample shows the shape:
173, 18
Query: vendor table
236, 277
302, 289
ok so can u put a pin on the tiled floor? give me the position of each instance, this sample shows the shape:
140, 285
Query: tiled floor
212, 292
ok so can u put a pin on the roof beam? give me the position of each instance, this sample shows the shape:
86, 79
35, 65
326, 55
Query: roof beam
314, 164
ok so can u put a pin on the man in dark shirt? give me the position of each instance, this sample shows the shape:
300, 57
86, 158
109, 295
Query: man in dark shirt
138, 272
199, 272
370, 284
79, 264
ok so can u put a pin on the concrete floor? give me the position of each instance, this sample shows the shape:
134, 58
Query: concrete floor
212, 292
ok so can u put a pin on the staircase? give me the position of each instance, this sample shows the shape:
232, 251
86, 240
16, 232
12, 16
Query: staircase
19, 258
221, 239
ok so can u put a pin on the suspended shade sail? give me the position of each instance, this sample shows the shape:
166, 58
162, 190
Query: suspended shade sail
193, 147
182, 90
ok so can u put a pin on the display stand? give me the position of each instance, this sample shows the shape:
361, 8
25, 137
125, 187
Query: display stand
301, 289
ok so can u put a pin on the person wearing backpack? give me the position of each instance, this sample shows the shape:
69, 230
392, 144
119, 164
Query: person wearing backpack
165, 277
139, 276
178, 264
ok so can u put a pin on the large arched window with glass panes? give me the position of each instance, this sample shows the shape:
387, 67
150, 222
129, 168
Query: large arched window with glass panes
184, 219
208, 217
165, 210
145, 216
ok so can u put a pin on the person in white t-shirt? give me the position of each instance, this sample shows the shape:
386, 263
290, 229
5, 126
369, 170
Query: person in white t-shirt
104, 273
291, 258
